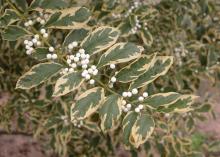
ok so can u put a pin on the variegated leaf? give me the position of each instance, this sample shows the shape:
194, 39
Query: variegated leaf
38, 74
135, 69
48, 4
161, 99
91, 126
182, 105
75, 35
70, 18
9, 17
127, 125
147, 37
159, 68
120, 53
100, 39
40, 53
141, 130
67, 83
110, 112
87, 103
21, 4
13, 33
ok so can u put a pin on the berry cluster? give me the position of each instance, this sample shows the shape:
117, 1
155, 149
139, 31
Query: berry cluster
88, 73
41, 18
77, 123
133, 7
137, 25
51, 55
127, 106
44, 33
30, 44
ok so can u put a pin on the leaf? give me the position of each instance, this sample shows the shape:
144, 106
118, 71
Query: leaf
13, 33
147, 37
161, 99
135, 69
100, 39
127, 124
9, 17
70, 18
159, 68
48, 4
120, 53
21, 4
110, 112
91, 126
182, 105
40, 53
87, 103
142, 130
38, 74
67, 83
204, 108
75, 35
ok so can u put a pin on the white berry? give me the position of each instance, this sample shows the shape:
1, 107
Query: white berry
71, 69
125, 109
84, 66
74, 44
90, 70
87, 76
134, 91
140, 106
78, 55
81, 51
83, 56
113, 79
34, 40
42, 22
87, 56
93, 67
26, 24
76, 59
95, 72
30, 43
140, 98
42, 31
68, 61
137, 110
66, 69
25, 42
30, 22
73, 65
36, 36
112, 66
124, 94
71, 57
129, 94
51, 49
70, 46
49, 56
86, 61
145, 94
45, 35
110, 85
123, 102
128, 106
54, 56
91, 81
38, 43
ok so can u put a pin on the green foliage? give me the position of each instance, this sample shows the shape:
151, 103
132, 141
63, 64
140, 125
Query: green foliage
81, 73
